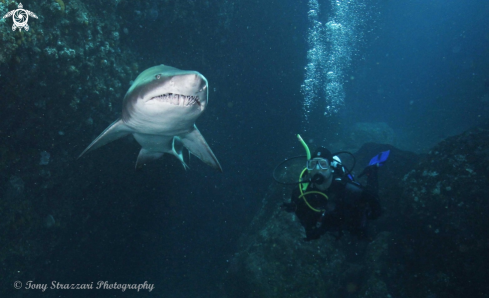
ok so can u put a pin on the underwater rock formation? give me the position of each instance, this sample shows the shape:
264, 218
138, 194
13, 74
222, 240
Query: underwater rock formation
430, 241
444, 220
66, 69
364, 132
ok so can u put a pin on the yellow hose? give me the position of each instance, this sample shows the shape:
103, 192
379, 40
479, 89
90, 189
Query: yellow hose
303, 196
308, 153
303, 186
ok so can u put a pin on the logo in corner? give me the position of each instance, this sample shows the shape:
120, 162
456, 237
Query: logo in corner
20, 17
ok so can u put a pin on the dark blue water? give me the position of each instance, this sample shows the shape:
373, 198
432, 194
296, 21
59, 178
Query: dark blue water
253, 60
424, 70
422, 67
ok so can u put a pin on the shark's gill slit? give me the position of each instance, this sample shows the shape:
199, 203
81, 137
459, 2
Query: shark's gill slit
178, 99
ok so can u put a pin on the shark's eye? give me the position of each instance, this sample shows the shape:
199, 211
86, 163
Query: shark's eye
158, 76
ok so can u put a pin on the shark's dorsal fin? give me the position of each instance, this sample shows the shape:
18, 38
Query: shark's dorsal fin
196, 144
115, 131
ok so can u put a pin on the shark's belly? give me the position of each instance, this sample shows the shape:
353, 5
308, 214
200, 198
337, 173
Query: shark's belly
154, 143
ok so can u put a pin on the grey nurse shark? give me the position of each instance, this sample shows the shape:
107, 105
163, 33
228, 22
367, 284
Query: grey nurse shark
159, 110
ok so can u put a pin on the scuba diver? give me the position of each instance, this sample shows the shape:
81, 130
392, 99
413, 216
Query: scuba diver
330, 200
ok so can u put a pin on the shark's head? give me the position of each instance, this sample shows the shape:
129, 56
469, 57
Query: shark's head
164, 98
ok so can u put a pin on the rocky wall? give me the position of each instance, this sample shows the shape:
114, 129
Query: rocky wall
430, 242
62, 78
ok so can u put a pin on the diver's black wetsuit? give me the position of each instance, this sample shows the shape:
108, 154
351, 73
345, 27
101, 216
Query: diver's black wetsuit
348, 208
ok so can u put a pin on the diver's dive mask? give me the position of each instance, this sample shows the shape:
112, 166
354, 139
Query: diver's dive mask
320, 171
317, 164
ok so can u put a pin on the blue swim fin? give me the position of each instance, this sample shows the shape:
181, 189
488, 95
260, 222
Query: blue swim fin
371, 170
380, 158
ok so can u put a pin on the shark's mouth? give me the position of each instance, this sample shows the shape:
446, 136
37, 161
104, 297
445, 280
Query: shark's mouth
177, 99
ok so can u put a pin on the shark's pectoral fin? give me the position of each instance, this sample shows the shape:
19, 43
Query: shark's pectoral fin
115, 131
146, 156
197, 145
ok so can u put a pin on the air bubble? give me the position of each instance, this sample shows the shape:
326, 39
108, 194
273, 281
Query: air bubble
331, 47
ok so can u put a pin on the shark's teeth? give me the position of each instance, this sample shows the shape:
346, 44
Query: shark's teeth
174, 99
178, 99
